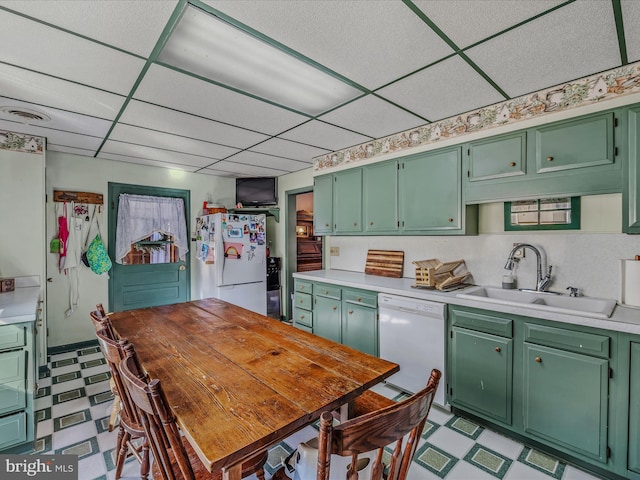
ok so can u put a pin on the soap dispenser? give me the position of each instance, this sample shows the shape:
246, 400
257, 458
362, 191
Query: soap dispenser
509, 281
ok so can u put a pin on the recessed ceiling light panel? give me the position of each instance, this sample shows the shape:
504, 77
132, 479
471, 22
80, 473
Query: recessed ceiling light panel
25, 115
212, 48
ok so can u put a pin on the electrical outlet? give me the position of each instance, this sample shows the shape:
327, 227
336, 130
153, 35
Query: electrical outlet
518, 253
334, 251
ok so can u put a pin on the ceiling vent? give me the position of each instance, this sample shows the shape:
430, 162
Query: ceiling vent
25, 115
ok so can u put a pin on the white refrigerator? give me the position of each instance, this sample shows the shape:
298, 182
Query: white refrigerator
231, 259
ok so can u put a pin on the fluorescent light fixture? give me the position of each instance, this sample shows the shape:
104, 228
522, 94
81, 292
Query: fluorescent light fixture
212, 48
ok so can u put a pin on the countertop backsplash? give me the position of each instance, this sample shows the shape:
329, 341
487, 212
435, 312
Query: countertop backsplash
588, 261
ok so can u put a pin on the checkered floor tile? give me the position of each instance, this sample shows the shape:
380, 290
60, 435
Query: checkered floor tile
74, 403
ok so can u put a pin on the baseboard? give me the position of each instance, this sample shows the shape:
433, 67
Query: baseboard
71, 347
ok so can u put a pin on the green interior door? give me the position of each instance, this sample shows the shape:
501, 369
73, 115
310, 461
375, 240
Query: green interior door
139, 285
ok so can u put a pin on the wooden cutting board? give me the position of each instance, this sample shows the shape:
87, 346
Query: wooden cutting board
385, 263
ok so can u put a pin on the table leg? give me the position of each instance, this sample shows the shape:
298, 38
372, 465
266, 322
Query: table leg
232, 473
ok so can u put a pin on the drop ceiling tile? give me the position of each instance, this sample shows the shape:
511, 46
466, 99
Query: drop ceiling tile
373, 117
157, 154
269, 161
239, 169
631, 16
166, 87
51, 51
217, 173
166, 141
54, 136
371, 43
466, 23
576, 40
178, 123
288, 149
67, 149
147, 162
323, 135
443, 90
131, 25
51, 92
58, 119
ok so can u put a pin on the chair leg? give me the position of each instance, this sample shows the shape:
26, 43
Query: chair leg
260, 474
145, 464
122, 452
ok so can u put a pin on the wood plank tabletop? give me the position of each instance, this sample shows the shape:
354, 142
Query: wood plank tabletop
240, 382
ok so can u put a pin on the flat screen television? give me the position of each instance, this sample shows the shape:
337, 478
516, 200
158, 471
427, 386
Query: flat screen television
257, 191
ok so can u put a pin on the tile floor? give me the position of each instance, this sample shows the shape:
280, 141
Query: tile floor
74, 403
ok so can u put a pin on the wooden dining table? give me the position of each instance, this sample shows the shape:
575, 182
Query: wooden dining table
239, 382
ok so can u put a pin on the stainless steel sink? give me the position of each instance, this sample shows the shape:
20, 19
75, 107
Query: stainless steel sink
584, 306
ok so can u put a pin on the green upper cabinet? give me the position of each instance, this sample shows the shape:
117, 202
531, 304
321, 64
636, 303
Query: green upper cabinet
347, 201
586, 142
380, 197
631, 186
430, 194
496, 157
569, 158
323, 204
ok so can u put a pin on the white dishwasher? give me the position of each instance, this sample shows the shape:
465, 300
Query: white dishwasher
412, 335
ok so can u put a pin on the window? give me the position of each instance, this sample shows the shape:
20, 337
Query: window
543, 214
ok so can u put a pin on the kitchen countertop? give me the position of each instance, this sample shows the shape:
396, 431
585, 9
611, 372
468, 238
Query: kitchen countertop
624, 319
21, 304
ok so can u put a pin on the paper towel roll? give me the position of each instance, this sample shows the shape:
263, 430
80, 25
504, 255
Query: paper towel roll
631, 282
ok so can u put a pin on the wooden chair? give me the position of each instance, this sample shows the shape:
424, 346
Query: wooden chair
130, 426
100, 321
174, 457
400, 422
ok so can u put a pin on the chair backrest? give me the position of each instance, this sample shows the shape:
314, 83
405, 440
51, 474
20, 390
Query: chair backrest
156, 418
401, 423
113, 351
100, 320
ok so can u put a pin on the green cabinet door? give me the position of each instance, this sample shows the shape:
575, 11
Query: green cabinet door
327, 318
565, 400
631, 182
323, 204
503, 156
634, 412
481, 373
360, 327
585, 142
347, 201
430, 192
380, 197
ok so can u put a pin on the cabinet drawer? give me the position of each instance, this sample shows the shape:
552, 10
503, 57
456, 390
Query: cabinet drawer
482, 323
361, 298
579, 342
12, 396
12, 366
12, 336
329, 291
13, 430
302, 300
304, 328
304, 287
303, 317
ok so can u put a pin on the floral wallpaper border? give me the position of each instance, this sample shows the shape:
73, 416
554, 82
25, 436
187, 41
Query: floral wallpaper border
597, 88
19, 142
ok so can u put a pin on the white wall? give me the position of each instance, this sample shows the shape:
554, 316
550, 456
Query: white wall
77, 173
587, 259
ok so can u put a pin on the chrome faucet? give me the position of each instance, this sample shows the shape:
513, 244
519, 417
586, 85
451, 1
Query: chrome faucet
542, 283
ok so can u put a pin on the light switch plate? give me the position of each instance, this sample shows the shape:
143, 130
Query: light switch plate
335, 251
518, 253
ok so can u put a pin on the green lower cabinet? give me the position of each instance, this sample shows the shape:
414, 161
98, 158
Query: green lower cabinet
328, 318
481, 373
565, 399
359, 328
634, 410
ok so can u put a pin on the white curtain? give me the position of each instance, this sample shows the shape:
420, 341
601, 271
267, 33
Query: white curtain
141, 215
